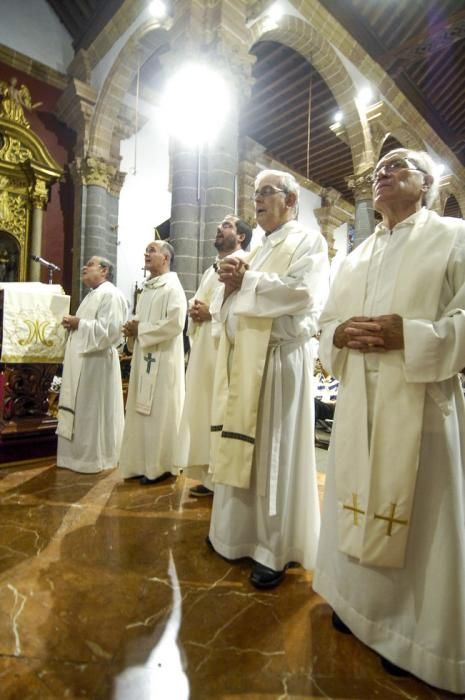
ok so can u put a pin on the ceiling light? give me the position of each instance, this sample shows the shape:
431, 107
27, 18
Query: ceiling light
339, 116
158, 9
195, 102
275, 12
439, 169
365, 96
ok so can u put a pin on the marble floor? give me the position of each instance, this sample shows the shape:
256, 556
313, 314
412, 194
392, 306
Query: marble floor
86, 591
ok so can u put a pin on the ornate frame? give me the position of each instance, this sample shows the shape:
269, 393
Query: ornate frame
27, 171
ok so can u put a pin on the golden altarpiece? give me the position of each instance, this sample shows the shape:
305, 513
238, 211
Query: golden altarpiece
27, 172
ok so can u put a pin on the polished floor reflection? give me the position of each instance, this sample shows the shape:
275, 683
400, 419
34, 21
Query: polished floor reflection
85, 593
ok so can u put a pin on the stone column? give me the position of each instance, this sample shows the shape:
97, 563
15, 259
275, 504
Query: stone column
75, 108
332, 214
97, 213
185, 228
204, 185
220, 193
361, 184
250, 153
39, 203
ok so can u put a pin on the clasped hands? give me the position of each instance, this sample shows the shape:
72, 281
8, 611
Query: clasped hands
231, 272
371, 333
199, 311
130, 329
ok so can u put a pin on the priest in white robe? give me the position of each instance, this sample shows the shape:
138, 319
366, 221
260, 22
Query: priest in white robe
91, 412
156, 384
391, 559
263, 459
232, 238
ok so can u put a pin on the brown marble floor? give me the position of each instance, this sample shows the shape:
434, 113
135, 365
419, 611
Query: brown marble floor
85, 593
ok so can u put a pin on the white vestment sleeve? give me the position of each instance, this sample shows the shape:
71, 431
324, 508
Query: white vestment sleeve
105, 330
267, 295
435, 350
153, 333
332, 358
217, 308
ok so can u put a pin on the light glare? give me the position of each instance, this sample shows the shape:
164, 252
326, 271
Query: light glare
158, 9
365, 96
196, 101
275, 12
339, 116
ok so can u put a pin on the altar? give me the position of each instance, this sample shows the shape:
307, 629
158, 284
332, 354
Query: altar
32, 349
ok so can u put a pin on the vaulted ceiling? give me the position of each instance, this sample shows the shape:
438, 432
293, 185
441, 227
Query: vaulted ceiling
419, 43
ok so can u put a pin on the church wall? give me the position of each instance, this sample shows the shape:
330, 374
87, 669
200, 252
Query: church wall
59, 140
145, 201
32, 28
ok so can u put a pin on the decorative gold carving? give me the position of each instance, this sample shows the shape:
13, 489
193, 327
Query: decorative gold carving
14, 101
361, 184
39, 194
26, 172
13, 151
13, 210
116, 183
98, 171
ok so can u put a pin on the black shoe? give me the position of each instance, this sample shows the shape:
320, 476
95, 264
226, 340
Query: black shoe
263, 577
145, 481
393, 670
209, 543
200, 491
339, 625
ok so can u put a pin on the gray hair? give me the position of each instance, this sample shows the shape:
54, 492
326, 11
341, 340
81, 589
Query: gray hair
287, 182
108, 266
168, 249
427, 165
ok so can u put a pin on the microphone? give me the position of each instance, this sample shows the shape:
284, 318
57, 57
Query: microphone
46, 263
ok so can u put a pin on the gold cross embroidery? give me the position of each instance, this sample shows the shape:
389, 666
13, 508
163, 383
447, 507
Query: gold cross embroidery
391, 519
354, 508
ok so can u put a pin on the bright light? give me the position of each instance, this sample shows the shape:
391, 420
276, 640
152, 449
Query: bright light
196, 101
158, 9
275, 12
439, 169
339, 116
365, 96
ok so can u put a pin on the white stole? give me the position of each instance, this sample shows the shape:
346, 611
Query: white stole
149, 361
72, 368
236, 393
376, 476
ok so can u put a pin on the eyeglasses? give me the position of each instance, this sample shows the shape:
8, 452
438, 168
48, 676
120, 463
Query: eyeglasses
225, 225
392, 166
267, 191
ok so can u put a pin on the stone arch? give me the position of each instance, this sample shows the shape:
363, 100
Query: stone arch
401, 137
147, 39
452, 207
311, 44
450, 188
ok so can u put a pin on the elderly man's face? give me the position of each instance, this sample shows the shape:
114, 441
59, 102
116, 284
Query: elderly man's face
154, 259
398, 181
227, 239
271, 208
93, 273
